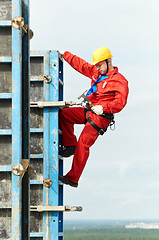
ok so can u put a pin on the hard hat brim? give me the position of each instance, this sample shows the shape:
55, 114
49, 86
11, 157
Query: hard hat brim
95, 62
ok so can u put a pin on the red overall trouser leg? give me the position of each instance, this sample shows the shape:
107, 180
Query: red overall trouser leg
69, 117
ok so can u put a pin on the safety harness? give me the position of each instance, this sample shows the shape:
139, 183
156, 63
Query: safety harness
109, 116
94, 86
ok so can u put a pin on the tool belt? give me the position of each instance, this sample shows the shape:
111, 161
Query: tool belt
109, 116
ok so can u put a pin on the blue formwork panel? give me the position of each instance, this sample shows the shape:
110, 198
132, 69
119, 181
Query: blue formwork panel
11, 101
46, 84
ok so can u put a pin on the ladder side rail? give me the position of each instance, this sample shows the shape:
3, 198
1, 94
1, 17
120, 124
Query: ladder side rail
60, 190
54, 143
26, 121
38, 155
46, 144
16, 121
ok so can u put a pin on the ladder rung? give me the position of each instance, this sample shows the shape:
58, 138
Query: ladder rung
36, 78
5, 168
5, 205
5, 95
38, 234
6, 23
42, 104
36, 155
55, 208
5, 132
5, 59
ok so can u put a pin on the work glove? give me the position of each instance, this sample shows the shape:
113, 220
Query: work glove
61, 52
98, 109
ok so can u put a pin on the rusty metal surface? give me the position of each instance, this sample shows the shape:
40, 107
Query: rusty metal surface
5, 150
5, 114
25, 164
47, 182
36, 118
18, 22
5, 42
47, 78
5, 77
17, 169
31, 34
5, 9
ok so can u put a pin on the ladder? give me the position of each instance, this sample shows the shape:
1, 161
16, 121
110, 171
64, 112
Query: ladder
31, 197
46, 192
14, 72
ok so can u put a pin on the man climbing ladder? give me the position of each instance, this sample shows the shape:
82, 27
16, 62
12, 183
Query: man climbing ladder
107, 95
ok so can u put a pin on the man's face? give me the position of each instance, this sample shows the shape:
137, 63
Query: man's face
102, 67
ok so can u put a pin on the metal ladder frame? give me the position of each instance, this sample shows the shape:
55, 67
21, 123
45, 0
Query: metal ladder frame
17, 213
52, 206
52, 195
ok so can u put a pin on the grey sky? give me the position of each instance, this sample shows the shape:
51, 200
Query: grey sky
121, 178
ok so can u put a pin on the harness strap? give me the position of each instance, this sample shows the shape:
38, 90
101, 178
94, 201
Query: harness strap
100, 131
108, 116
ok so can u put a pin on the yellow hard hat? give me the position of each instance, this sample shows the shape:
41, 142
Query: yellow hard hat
101, 54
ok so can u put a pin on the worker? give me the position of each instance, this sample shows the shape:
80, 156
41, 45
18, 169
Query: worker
107, 95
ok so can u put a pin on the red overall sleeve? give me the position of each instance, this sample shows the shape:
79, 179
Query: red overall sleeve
118, 102
81, 65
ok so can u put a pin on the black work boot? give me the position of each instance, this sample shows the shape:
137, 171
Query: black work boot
68, 151
68, 182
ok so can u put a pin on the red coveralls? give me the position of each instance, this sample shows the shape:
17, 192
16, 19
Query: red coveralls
111, 93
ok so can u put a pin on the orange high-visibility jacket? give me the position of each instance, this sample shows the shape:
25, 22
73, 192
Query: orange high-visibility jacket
112, 92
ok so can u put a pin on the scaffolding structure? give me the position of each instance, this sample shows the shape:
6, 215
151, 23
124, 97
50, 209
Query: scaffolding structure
31, 93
